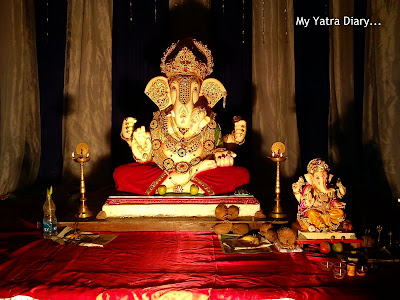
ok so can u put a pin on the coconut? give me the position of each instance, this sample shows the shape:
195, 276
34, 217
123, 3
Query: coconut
271, 235
222, 228
233, 212
101, 215
265, 227
221, 211
287, 236
240, 229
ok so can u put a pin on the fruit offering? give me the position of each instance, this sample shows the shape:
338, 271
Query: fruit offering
325, 247
337, 247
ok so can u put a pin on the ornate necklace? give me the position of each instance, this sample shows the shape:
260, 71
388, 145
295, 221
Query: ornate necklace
180, 145
183, 130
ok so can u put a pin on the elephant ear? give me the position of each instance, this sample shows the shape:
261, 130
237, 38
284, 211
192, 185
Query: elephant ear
213, 90
308, 177
158, 91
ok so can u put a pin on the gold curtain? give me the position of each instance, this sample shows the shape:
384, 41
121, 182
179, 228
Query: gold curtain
274, 109
87, 88
381, 114
19, 96
341, 111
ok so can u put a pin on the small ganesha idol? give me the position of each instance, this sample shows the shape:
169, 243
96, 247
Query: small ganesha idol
320, 208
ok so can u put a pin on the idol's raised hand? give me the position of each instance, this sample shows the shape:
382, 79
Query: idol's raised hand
238, 134
240, 131
128, 126
141, 145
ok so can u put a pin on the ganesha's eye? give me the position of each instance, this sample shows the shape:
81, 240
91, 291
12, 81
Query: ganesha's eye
195, 89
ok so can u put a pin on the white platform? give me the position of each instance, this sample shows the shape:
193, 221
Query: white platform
327, 235
176, 206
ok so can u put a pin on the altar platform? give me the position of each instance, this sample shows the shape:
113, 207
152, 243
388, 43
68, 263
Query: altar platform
176, 205
126, 212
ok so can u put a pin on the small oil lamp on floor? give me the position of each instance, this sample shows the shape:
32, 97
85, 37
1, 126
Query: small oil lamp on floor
82, 156
278, 155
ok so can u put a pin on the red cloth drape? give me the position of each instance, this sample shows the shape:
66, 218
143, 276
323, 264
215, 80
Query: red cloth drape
171, 265
137, 178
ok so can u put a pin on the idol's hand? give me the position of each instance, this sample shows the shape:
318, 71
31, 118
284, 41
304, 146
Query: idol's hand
198, 120
341, 188
339, 204
127, 128
205, 165
224, 158
238, 134
240, 131
141, 144
298, 185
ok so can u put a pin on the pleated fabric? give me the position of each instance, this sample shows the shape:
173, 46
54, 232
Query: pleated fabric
19, 96
87, 89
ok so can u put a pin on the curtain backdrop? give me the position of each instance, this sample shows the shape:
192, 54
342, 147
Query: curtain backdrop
341, 133
274, 109
381, 118
344, 134
19, 96
87, 88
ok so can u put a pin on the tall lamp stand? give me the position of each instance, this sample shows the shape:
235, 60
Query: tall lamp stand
81, 157
278, 151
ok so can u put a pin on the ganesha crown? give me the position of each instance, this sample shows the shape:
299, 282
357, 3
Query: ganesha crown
185, 63
317, 165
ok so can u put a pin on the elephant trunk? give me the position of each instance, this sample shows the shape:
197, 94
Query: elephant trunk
324, 188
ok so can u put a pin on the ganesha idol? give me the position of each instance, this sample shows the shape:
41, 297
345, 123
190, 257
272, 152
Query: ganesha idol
184, 150
320, 208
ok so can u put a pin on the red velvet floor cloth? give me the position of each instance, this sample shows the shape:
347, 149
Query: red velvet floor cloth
171, 265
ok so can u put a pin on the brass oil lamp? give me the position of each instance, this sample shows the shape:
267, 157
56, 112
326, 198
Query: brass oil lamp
278, 156
82, 156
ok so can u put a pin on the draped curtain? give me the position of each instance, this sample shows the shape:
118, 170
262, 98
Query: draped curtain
381, 114
341, 111
19, 96
87, 88
274, 108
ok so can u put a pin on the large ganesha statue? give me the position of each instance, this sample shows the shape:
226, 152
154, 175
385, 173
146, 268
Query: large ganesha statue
320, 207
184, 150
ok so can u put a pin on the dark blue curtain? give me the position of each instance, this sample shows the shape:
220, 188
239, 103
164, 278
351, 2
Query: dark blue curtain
51, 19
311, 47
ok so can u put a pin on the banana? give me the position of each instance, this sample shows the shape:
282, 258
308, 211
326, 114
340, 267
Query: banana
250, 239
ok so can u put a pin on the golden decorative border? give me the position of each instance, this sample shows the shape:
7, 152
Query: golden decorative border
153, 185
204, 186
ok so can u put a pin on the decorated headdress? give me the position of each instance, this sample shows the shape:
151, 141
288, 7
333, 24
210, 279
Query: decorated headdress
185, 62
317, 165
186, 58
